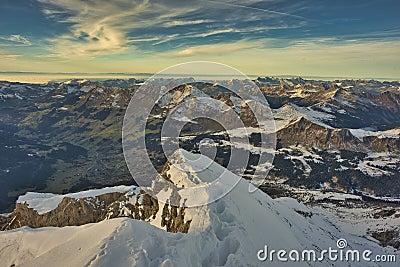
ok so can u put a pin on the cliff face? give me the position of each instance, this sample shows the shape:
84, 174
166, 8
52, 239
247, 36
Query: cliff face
79, 211
309, 134
306, 133
70, 211
382, 144
173, 219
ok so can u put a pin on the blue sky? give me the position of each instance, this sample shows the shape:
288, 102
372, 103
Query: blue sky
274, 37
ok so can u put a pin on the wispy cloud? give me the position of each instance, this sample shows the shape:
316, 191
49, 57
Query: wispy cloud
249, 7
221, 49
14, 40
108, 27
7, 56
186, 22
98, 28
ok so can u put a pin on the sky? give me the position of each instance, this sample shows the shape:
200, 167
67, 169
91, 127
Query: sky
324, 38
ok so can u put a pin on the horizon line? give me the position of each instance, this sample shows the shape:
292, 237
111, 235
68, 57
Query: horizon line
187, 74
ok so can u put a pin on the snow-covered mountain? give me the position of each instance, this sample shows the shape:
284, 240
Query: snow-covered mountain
228, 232
82, 120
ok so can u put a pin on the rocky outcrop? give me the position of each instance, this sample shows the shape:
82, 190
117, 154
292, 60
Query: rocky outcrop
79, 211
173, 218
3, 221
388, 238
70, 211
306, 133
382, 144
140, 207
309, 134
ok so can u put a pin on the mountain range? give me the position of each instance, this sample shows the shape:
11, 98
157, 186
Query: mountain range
334, 174
66, 137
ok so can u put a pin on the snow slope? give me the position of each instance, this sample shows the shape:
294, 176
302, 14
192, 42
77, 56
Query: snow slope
228, 232
361, 133
290, 113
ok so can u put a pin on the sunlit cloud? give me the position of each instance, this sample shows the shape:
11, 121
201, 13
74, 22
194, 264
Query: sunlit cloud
186, 22
139, 40
97, 28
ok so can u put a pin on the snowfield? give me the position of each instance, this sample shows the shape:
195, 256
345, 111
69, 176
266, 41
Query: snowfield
361, 133
290, 113
228, 232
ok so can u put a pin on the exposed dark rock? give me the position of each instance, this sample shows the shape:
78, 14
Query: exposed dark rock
388, 238
305, 214
173, 218
3, 221
384, 213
